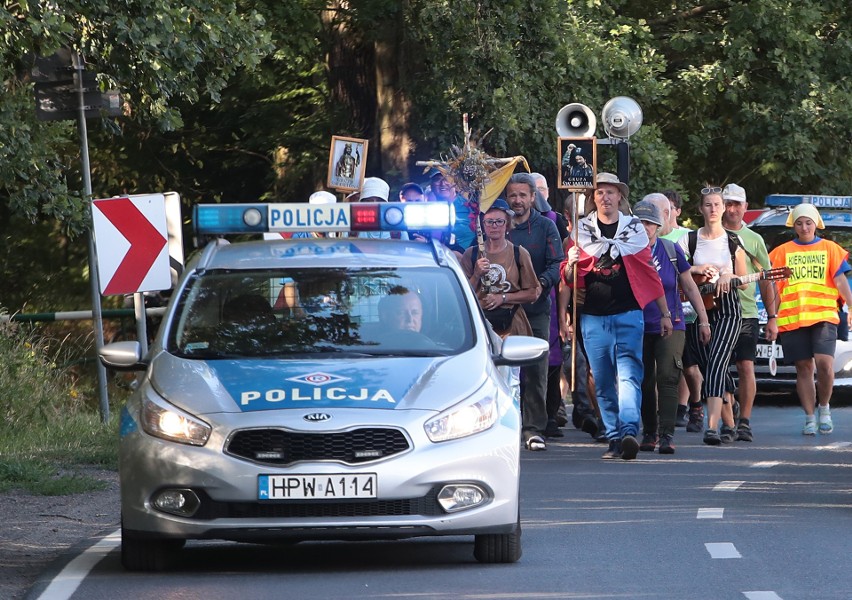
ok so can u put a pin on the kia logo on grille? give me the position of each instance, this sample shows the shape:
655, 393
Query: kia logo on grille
317, 417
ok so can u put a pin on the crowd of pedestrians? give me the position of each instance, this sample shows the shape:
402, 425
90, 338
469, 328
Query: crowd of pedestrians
643, 315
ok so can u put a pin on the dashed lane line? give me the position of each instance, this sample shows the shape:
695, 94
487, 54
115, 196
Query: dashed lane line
722, 550
728, 486
765, 464
762, 596
710, 513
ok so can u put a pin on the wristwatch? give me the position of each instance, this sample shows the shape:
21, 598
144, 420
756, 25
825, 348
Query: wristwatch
667, 315
543, 282
771, 317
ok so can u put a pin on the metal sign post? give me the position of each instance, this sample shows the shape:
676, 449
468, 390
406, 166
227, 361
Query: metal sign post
103, 396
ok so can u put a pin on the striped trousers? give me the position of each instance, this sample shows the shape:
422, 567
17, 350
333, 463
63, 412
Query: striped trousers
714, 358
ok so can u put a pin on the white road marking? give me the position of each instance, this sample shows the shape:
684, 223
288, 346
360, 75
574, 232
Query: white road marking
69, 579
722, 550
840, 445
728, 486
710, 513
762, 596
765, 464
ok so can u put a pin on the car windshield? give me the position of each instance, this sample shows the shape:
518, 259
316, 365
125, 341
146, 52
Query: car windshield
321, 313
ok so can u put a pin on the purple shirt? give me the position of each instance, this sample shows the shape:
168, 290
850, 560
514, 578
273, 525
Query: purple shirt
668, 275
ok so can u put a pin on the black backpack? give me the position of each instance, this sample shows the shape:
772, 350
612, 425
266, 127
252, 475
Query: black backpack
733, 243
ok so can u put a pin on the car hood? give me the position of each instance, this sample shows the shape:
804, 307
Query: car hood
427, 383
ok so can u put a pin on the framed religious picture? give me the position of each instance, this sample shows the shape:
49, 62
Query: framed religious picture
578, 163
346, 163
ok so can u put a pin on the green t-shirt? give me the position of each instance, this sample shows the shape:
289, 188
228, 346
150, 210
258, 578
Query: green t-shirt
675, 234
754, 243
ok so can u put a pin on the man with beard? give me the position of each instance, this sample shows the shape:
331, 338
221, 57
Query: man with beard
539, 236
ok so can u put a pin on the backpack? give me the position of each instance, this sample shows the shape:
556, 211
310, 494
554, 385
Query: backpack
668, 245
733, 243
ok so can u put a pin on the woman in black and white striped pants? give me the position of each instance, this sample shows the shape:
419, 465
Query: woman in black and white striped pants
715, 257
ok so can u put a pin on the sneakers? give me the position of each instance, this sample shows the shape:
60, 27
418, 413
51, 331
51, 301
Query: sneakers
552, 430
590, 426
561, 415
682, 416
727, 434
649, 442
696, 418
744, 433
535, 444
810, 427
614, 450
666, 445
825, 425
629, 447
711, 437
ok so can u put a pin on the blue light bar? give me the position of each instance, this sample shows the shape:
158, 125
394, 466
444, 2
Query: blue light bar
229, 218
829, 202
322, 218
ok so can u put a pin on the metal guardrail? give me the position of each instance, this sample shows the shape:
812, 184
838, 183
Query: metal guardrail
79, 315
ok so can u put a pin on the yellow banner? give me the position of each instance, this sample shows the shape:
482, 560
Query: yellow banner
497, 182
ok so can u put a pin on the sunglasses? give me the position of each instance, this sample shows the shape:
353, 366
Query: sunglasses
494, 222
711, 190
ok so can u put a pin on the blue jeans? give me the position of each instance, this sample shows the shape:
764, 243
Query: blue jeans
614, 350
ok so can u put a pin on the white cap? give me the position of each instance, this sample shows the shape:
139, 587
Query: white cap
375, 187
733, 193
322, 197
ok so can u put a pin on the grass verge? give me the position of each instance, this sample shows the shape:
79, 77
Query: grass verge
51, 435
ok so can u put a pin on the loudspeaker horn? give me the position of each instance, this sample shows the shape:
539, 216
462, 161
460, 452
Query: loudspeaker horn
576, 120
621, 117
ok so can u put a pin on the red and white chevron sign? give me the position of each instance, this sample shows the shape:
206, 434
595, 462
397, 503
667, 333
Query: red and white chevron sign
131, 243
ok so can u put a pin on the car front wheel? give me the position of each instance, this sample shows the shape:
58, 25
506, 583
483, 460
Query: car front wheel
498, 547
144, 554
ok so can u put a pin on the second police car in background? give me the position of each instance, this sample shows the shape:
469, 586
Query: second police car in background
836, 212
277, 404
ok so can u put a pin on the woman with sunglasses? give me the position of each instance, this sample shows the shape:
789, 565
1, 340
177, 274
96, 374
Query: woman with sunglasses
716, 257
503, 278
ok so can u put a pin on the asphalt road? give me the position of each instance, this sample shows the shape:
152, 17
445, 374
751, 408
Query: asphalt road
764, 521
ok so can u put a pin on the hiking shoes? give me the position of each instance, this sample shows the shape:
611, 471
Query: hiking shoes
696, 419
552, 430
744, 433
649, 442
666, 445
614, 450
629, 447
682, 416
727, 434
711, 437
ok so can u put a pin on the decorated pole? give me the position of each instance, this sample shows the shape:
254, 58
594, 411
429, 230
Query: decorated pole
574, 295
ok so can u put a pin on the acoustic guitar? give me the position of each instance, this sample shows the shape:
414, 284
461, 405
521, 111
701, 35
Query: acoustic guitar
707, 289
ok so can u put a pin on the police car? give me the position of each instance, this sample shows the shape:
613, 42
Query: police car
321, 388
836, 212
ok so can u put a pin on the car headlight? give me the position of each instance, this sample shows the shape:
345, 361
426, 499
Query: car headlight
171, 423
461, 421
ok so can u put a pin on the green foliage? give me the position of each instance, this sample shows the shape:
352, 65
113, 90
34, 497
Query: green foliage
157, 53
49, 433
240, 104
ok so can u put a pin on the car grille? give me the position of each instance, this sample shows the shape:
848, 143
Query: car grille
282, 447
425, 506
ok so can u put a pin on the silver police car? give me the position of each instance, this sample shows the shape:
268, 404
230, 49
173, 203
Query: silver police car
321, 388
